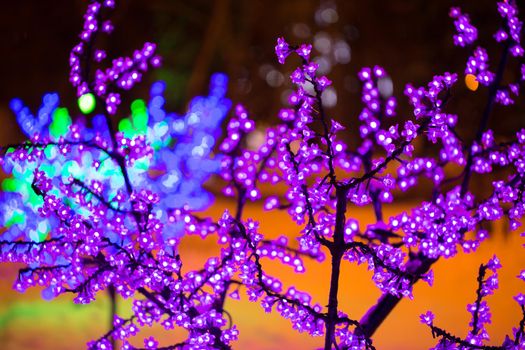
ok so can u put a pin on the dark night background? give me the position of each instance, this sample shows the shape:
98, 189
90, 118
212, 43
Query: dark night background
411, 39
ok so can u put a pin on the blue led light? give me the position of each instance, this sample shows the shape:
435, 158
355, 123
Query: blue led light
182, 160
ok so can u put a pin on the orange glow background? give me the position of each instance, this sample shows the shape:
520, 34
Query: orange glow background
28, 322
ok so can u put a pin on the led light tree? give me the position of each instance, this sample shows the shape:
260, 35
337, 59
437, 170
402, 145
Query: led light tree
91, 166
122, 229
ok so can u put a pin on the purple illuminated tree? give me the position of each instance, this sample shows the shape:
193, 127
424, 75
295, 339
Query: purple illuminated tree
121, 231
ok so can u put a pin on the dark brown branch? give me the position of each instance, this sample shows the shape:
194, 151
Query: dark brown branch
438, 332
417, 265
337, 251
479, 297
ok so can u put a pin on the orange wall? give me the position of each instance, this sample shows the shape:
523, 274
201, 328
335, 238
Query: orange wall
27, 322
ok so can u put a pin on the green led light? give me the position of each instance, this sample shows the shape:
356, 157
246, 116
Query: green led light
140, 121
87, 103
42, 231
17, 218
42, 236
139, 115
108, 169
61, 122
156, 145
10, 185
71, 168
50, 152
142, 164
126, 128
138, 105
34, 199
49, 169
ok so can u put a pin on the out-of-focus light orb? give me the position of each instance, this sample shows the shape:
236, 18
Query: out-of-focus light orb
386, 87
325, 66
87, 103
285, 95
255, 139
342, 52
471, 82
265, 69
61, 122
301, 30
274, 78
330, 97
329, 15
326, 13
323, 43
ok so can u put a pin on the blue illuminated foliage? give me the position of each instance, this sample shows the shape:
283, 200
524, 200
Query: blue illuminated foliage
182, 159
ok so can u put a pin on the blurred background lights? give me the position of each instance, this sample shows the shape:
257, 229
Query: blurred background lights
323, 43
327, 13
329, 97
301, 30
274, 78
255, 139
385, 86
342, 53
61, 122
285, 95
325, 66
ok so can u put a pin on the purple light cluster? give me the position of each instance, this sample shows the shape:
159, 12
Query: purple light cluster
322, 179
123, 73
466, 33
481, 316
509, 35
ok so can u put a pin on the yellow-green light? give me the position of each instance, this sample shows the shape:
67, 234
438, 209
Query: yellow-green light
87, 103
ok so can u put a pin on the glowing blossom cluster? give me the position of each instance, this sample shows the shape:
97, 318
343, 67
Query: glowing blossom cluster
124, 72
113, 205
509, 35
